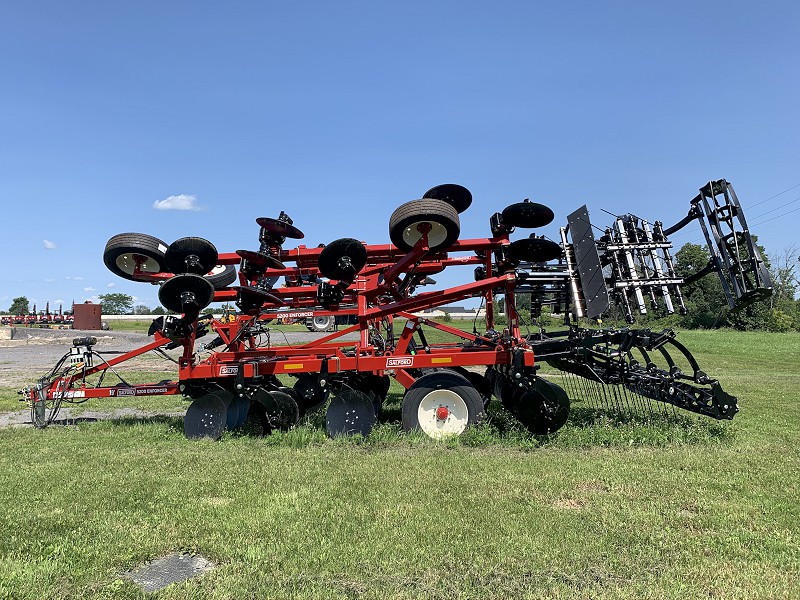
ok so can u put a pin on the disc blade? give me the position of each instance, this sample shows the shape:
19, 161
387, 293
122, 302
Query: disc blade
279, 228
342, 259
186, 293
456, 195
251, 298
205, 418
281, 409
533, 250
544, 408
350, 413
259, 259
191, 255
309, 393
527, 214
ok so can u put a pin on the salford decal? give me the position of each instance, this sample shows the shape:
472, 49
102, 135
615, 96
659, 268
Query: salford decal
229, 369
405, 361
126, 392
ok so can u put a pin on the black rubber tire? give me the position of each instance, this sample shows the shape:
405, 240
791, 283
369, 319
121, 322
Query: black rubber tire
223, 277
320, 324
440, 381
479, 382
119, 251
442, 215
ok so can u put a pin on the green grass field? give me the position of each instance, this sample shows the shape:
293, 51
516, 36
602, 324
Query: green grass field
650, 508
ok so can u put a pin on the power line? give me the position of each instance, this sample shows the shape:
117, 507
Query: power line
775, 196
777, 217
774, 209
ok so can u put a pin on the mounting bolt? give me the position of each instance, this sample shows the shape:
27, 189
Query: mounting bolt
517, 375
322, 382
239, 386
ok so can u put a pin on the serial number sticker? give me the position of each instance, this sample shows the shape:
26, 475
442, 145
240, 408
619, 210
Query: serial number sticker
292, 366
405, 361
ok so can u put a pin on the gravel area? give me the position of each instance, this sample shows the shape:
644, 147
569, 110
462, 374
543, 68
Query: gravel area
29, 353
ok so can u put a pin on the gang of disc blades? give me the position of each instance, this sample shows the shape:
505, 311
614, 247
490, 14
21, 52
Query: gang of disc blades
533, 250
350, 413
527, 215
191, 255
186, 293
205, 418
342, 259
279, 228
456, 195
259, 259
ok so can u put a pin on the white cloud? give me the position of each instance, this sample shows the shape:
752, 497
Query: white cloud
88, 289
110, 284
49, 280
48, 244
74, 277
179, 202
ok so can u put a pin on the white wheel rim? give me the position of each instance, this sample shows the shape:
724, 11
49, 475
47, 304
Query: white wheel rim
322, 322
127, 263
219, 269
436, 235
457, 414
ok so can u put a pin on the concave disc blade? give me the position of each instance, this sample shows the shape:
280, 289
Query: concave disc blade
456, 195
309, 393
232, 409
544, 408
244, 410
186, 293
281, 409
279, 228
342, 259
533, 250
259, 259
205, 418
527, 214
191, 255
252, 298
350, 413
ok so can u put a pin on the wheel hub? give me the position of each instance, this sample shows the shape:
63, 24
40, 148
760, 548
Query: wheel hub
442, 413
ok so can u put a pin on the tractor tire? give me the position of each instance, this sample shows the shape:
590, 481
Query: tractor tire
120, 250
441, 216
221, 276
320, 324
441, 404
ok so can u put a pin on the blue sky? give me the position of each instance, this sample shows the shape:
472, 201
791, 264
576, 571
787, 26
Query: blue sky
339, 112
